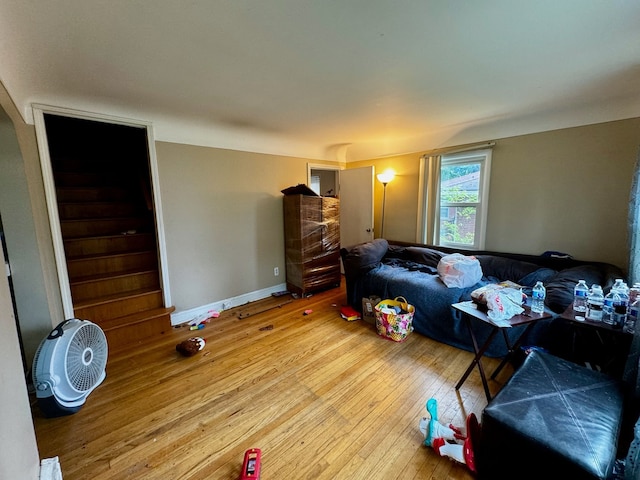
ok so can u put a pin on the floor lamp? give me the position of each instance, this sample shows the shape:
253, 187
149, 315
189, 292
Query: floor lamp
384, 178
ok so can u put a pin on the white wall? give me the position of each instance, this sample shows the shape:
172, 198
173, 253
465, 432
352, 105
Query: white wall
22, 243
18, 449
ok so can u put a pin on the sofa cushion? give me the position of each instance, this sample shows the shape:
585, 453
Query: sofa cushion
541, 275
504, 268
560, 286
396, 251
364, 256
424, 255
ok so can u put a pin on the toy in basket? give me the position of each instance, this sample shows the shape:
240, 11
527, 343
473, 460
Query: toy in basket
394, 319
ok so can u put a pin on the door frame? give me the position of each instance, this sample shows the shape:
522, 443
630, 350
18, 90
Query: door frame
319, 166
52, 205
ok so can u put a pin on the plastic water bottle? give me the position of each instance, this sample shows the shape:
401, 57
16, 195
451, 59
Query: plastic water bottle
537, 298
595, 302
634, 292
620, 305
580, 293
619, 283
616, 303
607, 307
632, 316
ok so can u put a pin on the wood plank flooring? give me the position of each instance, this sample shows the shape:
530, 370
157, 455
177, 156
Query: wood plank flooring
322, 397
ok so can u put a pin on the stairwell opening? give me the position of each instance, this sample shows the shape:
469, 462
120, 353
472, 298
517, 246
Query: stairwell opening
104, 198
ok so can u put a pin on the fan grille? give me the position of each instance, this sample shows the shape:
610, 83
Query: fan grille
87, 357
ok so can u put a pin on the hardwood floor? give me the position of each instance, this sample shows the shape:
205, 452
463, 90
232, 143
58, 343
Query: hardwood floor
322, 397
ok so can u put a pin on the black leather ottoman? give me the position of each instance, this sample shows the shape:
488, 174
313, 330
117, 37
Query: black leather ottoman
553, 419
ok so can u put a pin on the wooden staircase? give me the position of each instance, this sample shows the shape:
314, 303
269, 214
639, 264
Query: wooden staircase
110, 246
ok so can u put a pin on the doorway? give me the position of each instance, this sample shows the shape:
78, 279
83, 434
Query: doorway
324, 180
354, 188
103, 208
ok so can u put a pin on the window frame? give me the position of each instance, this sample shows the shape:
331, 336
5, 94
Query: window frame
481, 156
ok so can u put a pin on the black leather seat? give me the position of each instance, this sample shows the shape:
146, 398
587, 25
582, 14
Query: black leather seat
553, 419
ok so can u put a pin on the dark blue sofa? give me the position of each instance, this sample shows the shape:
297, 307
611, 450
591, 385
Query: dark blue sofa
389, 269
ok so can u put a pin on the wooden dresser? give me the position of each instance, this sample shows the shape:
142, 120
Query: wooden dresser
312, 242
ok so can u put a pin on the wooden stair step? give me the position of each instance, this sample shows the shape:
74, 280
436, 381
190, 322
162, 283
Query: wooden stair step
99, 286
107, 299
78, 267
135, 318
97, 277
72, 164
113, 306
90, 194
109, 244
128, 331
83, 178
102, 226
86, 210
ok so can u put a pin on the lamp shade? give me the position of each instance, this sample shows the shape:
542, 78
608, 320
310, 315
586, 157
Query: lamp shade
386, 176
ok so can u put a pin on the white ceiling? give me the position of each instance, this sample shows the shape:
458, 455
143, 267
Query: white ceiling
333, 79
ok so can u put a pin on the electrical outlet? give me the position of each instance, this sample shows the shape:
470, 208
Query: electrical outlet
276, 271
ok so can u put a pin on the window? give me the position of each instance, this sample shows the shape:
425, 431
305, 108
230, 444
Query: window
455, 213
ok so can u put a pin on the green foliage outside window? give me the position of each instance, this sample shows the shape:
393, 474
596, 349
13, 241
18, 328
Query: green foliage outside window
459, 228
456, 229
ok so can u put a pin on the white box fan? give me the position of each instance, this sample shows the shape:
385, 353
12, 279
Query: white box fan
69, 364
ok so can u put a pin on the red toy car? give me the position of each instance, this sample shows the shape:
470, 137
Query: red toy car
251, 465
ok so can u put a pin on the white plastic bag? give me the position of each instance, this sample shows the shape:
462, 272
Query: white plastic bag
503, 304
459, 271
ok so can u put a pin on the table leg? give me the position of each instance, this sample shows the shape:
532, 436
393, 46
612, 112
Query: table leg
511, 349
479, 352
599, 347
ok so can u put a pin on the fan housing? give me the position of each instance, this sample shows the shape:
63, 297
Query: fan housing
69, 364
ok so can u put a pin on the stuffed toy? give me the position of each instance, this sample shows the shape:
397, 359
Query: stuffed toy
191, 346
449, 441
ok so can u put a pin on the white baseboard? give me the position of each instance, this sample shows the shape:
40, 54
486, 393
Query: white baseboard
186, 316
50, 469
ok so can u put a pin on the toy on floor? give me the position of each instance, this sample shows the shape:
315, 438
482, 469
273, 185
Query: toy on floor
191, 346
449, 441
251, 464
